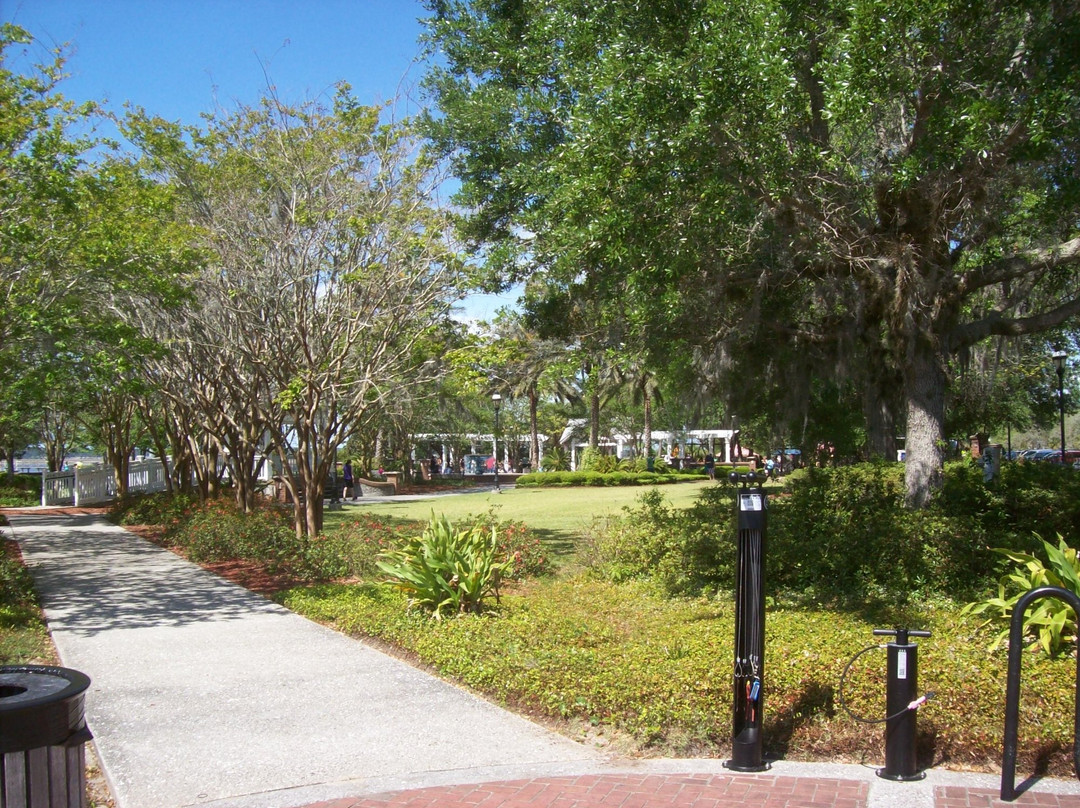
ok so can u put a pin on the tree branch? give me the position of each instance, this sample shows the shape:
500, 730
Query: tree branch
1016, 266
997, 324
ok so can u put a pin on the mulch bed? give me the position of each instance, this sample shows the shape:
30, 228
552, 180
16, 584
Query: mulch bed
251, 575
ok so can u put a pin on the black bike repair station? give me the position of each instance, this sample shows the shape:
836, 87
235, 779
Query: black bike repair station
747, 707
901, 701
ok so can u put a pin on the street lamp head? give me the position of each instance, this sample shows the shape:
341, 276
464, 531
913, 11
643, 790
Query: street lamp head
496, 399
1059, 358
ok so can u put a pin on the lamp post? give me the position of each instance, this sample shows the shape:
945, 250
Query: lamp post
496, 399
1059, 363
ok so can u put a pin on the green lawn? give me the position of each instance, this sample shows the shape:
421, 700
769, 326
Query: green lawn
557, 515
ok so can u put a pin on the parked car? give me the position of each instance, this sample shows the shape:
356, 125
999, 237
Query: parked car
1030, 455
1072, 457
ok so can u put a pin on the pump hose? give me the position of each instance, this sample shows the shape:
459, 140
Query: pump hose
843, 704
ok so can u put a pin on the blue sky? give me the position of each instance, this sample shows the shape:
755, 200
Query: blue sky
178, 58
181, 58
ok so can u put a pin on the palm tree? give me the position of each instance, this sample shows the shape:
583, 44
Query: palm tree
535, 369
646, 390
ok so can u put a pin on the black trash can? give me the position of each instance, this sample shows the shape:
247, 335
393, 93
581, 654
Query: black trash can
42, 737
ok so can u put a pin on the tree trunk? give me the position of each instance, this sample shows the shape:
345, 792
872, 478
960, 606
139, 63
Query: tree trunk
120, 460
594, 421
55, 436
213, 473
313, 507
647, 436
924, 387
534, 432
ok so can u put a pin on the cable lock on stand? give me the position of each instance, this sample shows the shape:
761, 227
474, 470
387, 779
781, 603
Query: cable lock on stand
900, 703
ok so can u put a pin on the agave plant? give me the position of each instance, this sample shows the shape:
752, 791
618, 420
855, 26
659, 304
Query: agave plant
446, 571
1049, 621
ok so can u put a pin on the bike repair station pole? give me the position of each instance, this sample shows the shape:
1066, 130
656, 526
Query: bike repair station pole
747, 706
901, 688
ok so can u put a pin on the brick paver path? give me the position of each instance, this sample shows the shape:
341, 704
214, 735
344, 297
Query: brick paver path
629, 791
955, 797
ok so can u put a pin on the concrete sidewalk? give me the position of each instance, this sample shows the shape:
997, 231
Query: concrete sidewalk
206, 694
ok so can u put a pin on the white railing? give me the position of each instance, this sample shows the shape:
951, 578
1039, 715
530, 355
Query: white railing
58, 488
93, 486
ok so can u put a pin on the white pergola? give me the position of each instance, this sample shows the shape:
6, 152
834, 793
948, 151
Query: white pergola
662, 439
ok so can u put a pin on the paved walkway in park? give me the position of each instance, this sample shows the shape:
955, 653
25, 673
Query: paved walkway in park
206, 694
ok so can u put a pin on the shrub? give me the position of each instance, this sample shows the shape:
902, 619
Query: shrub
351, 550
555, 459
446, 571
16, 585
20, 490
551, 479
1024, 498
516, 545
162, 508
590, 460
682, 552
595, 460
840, 535
606, 464
843, 534
23, 636
218, 531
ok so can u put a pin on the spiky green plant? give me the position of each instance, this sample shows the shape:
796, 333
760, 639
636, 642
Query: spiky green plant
1050, 622
445, 571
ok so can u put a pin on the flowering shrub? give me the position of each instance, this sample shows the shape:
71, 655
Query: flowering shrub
522, 548
517, 544
217, 530
352, 549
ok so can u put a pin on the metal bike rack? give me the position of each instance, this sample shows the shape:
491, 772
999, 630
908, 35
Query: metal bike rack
748, 703
1012, 693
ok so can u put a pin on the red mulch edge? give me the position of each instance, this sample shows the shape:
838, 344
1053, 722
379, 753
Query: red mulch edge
249, 574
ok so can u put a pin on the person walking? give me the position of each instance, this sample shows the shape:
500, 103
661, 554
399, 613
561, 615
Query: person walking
348, 486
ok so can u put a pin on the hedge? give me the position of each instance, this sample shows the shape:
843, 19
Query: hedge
596, 478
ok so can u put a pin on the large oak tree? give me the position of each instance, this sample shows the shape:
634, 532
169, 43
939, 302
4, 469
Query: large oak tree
874, 184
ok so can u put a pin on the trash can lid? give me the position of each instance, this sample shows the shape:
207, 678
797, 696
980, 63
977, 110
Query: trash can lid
40, 705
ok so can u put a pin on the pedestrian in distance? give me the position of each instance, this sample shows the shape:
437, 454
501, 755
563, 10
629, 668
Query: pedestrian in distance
348, 486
